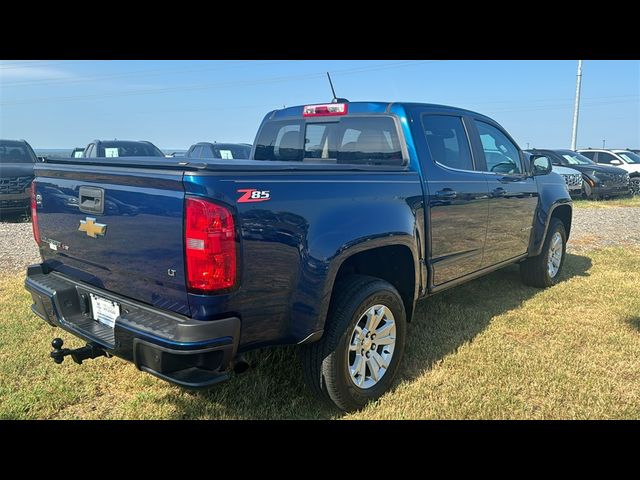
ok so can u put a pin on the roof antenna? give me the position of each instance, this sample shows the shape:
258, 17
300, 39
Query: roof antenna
335, 99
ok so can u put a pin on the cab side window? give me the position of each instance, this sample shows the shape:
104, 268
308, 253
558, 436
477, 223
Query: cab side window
589, 155
501, 155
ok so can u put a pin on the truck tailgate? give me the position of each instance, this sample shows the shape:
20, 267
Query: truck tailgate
120, 229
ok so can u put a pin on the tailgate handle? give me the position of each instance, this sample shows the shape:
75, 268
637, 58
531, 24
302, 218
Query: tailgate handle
91, 199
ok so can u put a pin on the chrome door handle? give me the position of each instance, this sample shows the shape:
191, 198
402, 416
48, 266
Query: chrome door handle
446, 194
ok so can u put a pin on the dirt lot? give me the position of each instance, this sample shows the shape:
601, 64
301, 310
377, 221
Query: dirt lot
592, 228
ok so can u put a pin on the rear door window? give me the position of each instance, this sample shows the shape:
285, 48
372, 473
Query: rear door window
348, 140
604, 157
589, 155
447, 141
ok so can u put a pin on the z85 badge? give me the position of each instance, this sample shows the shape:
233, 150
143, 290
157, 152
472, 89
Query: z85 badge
253, 195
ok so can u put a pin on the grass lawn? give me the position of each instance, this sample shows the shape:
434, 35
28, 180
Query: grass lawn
492, 348
612, 202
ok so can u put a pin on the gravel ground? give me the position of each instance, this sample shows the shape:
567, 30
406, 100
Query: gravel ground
17, 247
604, 227
592, 228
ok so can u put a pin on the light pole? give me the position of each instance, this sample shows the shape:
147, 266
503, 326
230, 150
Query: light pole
576, 107
603, 142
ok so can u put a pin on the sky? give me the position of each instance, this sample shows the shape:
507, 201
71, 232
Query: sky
176, 103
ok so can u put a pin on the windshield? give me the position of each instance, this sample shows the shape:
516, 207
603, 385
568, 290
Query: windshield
630, 157
129, 149
12, 151
577, 159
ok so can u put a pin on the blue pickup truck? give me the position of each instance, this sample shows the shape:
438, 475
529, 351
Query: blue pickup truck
344, 217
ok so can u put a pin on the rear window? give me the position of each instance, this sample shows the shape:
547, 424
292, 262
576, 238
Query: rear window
349, 140
15, 152
129, 149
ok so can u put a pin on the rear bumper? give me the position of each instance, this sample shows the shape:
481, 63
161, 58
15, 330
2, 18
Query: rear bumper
187, 352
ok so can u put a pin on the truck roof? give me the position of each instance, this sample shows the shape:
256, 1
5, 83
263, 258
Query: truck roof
375, 107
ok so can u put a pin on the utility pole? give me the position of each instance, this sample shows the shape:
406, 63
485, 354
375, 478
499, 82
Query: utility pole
603, 142
576, 108
527, 145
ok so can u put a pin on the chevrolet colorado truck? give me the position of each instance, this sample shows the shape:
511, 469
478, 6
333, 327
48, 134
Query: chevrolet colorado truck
344, 217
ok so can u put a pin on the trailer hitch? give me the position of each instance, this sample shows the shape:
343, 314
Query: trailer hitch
89, 351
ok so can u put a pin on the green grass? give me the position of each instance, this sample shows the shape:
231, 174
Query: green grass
492, 348
613, 202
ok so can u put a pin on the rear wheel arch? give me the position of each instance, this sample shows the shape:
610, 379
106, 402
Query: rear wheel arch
395, 264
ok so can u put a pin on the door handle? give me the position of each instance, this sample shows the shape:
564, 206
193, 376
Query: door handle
498, 192
446, 194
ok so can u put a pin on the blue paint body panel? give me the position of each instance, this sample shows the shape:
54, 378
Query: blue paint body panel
293, 245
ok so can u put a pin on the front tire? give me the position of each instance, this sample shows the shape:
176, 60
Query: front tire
544, 270
587, 192
634, 185
346, 367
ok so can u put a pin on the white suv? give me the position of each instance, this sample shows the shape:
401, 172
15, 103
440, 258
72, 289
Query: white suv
625, 159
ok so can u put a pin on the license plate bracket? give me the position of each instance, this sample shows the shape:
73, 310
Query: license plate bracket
104, 311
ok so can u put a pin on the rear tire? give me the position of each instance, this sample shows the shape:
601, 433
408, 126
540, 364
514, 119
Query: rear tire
634, 185
544, 270
333, 365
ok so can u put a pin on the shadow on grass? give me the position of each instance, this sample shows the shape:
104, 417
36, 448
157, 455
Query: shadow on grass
273, 388
634, 322
448, 320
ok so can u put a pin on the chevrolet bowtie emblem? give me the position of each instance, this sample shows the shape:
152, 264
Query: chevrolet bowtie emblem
92, 228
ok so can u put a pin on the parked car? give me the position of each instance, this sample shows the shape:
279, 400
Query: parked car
77, 152
624, 159
599, 181
227, 151
572, 178
16, 173
121, 148
634, 150
344, 217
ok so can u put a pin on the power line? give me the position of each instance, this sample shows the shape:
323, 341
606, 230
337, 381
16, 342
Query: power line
36, 63
139, 73
206, 86
559, 106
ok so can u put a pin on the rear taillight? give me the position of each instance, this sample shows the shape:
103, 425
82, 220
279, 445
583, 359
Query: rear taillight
34, 214
210, 246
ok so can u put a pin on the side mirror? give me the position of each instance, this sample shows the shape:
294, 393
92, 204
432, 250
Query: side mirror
540, 165
615, 161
